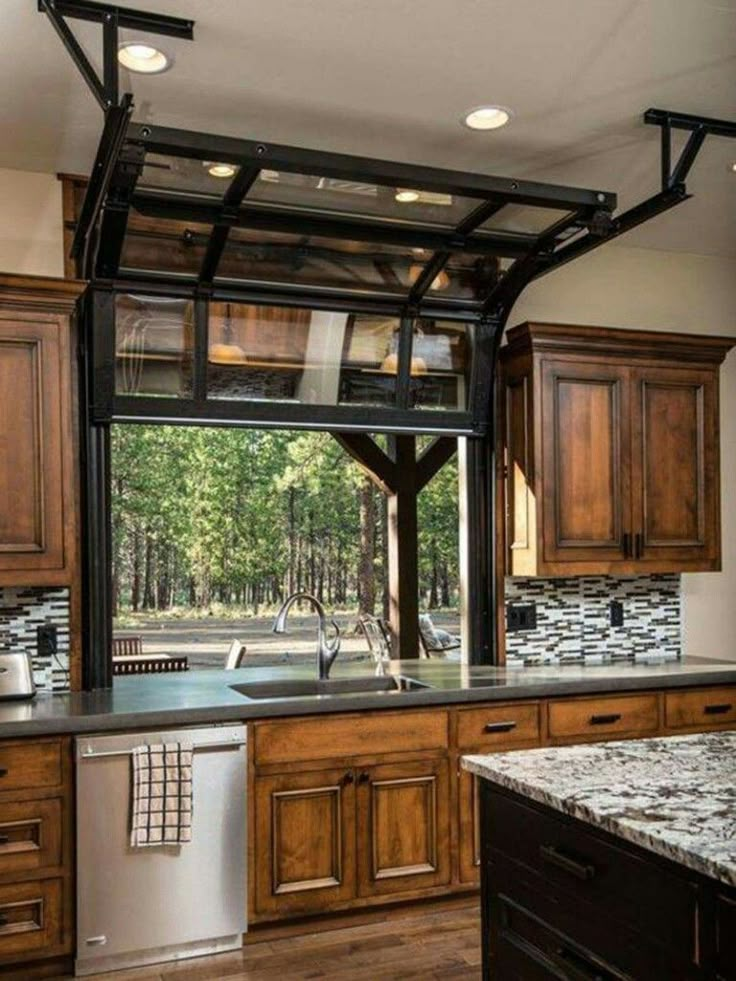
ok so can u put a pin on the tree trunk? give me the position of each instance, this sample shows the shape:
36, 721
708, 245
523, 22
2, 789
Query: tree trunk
366, 559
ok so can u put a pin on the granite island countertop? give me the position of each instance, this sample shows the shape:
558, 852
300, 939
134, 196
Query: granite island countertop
674, 795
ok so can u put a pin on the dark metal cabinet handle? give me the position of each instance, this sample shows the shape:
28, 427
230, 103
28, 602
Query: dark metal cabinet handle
605, 720
626, 543
583, 968
364, 777
638, 545
4, 839
3, 920
718, 709
3, 772
348, 778
581, 870
499, 726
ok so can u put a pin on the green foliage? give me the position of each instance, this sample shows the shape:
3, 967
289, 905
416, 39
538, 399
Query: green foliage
203, 517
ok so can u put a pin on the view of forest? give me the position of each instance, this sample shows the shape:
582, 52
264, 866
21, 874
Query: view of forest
212, 519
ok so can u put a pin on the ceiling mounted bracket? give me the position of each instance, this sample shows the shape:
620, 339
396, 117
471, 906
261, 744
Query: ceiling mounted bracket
112, 18
699, 127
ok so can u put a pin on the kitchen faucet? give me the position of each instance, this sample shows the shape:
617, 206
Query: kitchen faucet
327, 651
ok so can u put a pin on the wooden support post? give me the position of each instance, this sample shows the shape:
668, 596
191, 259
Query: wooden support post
403, 571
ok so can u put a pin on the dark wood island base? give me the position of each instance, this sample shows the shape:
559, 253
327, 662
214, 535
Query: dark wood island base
563, 900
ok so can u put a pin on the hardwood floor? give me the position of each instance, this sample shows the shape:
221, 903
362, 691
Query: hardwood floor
429, 945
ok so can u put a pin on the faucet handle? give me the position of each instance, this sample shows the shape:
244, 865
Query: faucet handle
334, 645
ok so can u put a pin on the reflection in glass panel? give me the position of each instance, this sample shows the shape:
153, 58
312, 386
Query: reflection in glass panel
174, 247
209, 177
524, 219
441, 362
277, 257
154, 342
303, 356
360, 198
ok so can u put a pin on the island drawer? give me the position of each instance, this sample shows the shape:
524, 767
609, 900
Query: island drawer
531, 936
700, 708
598, 717
499, 725
572, 865
31, 918
30, 765
329, 737
30, 836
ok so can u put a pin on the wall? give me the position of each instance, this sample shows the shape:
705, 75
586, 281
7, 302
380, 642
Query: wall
654, 290
31, 229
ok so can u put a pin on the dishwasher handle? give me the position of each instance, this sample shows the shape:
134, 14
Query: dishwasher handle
88, 753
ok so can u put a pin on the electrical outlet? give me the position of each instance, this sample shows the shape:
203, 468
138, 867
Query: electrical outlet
47, 640
617, 613
522, 616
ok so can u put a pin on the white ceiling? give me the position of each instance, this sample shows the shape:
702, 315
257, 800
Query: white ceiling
391, 78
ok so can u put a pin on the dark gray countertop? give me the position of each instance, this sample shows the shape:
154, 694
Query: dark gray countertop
205, 696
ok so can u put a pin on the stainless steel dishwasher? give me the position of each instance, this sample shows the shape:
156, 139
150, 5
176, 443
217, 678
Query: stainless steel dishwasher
139, 906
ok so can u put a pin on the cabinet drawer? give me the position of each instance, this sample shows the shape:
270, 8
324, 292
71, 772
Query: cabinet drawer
349, 735
596, 717
30, 836
708, 707
574, 866
30, 766
534, 936
30, 917
498, 725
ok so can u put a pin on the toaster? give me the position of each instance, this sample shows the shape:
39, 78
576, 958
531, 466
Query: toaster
16, 675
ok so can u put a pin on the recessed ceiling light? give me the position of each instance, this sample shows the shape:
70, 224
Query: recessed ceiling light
486, 117
405, 196
137, 56
219, 169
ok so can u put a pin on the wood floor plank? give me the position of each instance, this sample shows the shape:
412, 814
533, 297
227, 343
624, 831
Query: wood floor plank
404, 946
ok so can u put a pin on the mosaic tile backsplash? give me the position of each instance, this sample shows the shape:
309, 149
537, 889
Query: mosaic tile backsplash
574, 626
22, 610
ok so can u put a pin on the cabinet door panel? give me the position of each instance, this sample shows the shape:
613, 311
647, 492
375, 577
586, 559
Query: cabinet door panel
305, 829
403, 827
468, 802
585, 422
675, 465
34, 394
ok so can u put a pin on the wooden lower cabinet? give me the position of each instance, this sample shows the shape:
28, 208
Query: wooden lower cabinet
305, 833
403, 827
325, 839
36, 849
469, 828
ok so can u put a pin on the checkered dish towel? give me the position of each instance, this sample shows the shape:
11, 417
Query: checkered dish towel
162, 795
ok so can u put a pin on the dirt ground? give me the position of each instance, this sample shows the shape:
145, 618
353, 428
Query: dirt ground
206, 641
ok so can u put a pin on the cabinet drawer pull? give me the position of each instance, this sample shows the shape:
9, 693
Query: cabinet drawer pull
584, 969
348, 779
364, 777
605, 720
3, 772
3, 920
626, 544
720, 709
581, 870
638, 545
499, 726
4, 839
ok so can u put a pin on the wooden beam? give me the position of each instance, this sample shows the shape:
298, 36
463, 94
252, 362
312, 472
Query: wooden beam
370, 457
403, 564
431, 461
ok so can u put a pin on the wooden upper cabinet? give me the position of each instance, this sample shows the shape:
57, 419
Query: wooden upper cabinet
611, 451
37, 476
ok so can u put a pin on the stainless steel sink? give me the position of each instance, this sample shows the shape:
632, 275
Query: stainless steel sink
308, 687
